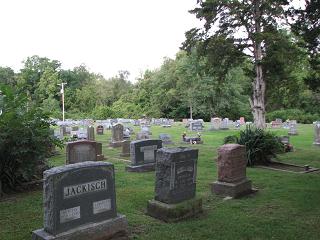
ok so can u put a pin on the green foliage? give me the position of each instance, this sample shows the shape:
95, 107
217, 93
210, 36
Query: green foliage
261, 145
25, 140
293, 114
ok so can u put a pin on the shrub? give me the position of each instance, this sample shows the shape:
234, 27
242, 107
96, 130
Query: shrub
25, 141
296, 114
261, 145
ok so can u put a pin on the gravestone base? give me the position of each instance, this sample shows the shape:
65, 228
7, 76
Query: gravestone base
316, 144
141, 168
100, 157
113, 229
115, 144
234, 190
174, 212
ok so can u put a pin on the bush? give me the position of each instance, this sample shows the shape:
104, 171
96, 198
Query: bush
261, 146
25, 141
292, 114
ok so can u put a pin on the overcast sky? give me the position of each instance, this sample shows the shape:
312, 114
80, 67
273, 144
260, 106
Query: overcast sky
106, 35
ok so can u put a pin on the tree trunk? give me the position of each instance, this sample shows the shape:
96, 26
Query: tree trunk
258, 97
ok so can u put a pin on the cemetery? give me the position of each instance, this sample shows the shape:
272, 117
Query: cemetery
160, 120
189, 186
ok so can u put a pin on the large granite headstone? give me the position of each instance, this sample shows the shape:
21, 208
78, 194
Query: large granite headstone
176, 173
231, 165
117, 135
317, 133
196, 126
81, 151
143, 155
80, 203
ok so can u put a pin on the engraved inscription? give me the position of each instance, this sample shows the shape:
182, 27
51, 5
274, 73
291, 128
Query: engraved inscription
83, 188
69, 214
148, 152
183, 174
101, 206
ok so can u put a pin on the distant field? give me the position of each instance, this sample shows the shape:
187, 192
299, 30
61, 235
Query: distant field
287, 205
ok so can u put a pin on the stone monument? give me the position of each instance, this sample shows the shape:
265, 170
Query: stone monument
317, 133
232, 179
100, 130
117, 135
175, 187
125, 148
143, 155
81, 151
80, 203
165, 138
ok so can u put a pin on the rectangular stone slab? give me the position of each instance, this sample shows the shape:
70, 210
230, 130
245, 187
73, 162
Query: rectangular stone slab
78, 194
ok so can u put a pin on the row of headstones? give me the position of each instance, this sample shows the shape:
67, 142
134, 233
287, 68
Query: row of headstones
80, 201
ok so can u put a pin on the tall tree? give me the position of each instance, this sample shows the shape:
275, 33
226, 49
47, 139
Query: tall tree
244, 22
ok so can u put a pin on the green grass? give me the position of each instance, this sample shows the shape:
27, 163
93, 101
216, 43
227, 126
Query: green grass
287, 205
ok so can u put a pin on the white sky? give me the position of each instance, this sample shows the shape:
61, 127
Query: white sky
106, 35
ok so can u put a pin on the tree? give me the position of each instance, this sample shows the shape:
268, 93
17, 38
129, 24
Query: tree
245, 23
7, 76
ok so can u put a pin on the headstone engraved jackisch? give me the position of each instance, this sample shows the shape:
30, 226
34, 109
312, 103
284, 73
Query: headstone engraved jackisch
117, 135
81, 151
176, 173
143, 155
80, 203
232, 180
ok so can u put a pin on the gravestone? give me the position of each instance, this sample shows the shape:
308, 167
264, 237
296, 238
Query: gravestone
81, 151
143, 155
146, 129
224, 124
165, 138
142, 136
232, 179
215, 124
90, 132
176, 173
63, 130
126, 134
317, 133
125, 148
242, 121
100, 130
293, 128
100, 156
117, 135
80, 203
196, 126
82, 133
136, 123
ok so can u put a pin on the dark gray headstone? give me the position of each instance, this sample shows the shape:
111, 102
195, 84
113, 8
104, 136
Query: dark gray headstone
144, 151
176, 172
196, 126
81, 151
78, 194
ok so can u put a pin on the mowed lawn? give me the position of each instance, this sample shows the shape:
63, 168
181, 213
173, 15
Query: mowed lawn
287, 205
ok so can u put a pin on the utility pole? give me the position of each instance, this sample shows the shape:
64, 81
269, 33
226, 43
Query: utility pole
62, 96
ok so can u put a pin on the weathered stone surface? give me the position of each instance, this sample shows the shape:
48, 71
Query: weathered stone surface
100, 156
176, 173
143, 155
125, 148
174, 212
317, 134
232, 179
142, 136
196, 126
115, 229
90, 131
232, 163
81, 151
117, 135
78, 194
